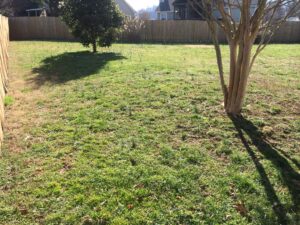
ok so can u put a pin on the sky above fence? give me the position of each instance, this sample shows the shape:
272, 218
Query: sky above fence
142, 4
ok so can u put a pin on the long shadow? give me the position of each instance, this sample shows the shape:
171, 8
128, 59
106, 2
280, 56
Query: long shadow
71, 66
290, 177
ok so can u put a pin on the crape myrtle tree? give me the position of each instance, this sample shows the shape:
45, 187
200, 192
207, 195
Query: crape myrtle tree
258, 21
94, 22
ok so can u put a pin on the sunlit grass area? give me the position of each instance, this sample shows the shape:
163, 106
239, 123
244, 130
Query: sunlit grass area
136, 134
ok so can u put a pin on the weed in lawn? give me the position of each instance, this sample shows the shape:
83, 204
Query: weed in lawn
8, 100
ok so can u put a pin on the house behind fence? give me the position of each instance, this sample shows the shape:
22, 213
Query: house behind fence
4, 40
166, 31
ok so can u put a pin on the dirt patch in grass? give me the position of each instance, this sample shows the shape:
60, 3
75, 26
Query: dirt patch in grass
22, 114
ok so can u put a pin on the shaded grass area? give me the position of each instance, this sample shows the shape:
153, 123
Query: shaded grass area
289, 175
136, 134
71, 66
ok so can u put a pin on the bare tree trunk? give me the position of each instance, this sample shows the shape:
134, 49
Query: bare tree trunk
239, 64
239, 73
94, 47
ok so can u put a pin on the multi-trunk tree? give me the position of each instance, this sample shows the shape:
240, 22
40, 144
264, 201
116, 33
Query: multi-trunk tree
244, 22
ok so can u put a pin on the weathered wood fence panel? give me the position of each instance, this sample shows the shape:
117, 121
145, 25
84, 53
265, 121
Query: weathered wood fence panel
288, 33
4, 40
39, 28
191, 31
178, 31
170, 31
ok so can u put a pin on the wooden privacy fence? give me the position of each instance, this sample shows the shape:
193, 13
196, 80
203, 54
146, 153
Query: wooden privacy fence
4, 34
170, 31
178, 31
191, 31
38, 28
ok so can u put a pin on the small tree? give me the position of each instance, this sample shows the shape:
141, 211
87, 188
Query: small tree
94, 22
258, 18
132, 30
16, 7
6, 7
144, 15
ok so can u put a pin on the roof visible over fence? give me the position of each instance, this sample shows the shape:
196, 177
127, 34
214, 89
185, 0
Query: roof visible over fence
126, 8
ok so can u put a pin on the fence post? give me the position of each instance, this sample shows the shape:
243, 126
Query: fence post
4, 40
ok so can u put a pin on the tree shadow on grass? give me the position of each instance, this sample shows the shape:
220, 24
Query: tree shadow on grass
71, 66
290, 177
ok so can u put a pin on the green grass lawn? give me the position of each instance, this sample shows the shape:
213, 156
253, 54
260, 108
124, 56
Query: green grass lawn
136, 134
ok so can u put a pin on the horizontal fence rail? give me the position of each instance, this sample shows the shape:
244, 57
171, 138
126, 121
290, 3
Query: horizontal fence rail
4, 40
169, 31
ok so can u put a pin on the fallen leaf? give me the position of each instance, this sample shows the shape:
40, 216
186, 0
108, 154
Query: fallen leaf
130, 206
241, 208
23, 210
